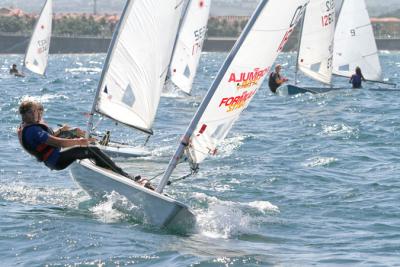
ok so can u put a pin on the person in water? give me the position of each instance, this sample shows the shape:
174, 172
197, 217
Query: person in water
40, 140
275, 79
14, 71
357, 78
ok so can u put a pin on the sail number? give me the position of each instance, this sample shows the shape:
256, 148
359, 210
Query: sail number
42, 46
200, 33
329, 18
199, 36
330, 5
298, 14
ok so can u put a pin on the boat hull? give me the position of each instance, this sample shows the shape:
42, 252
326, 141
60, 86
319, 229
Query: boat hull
120, 150
290, 89
153, 208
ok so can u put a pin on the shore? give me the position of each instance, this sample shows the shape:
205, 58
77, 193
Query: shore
14, 44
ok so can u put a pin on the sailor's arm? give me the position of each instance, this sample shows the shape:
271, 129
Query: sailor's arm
63, 142
281, 80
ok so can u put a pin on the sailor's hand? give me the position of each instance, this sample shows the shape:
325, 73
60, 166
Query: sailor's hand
92, 140
85, 141
64, 128
80, 132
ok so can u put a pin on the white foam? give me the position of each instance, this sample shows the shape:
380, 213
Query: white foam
223, 219
319, 161
339, 129
115, 208
263, 206
229, 145
83, 69
44, 98
28, 194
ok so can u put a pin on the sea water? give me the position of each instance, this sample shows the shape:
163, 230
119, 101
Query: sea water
299, 181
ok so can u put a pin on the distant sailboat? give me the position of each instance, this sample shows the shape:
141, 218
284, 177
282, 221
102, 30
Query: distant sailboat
37, 53
315, 52
135, 69
189, 44
355, 44
233, 88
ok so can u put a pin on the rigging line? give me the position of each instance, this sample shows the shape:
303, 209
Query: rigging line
182, 177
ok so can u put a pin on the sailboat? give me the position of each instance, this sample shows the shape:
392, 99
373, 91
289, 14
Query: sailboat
235, 85
189, 44
135, 69
354, 45
37, 53
315, 50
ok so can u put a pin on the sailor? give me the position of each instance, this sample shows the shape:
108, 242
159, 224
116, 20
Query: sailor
275, 79
14, 71
357, 78
37, 139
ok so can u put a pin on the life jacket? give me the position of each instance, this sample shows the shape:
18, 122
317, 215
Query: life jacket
356, 81
42, 151
273, 85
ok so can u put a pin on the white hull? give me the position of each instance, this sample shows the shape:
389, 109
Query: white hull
126, 151
155, 209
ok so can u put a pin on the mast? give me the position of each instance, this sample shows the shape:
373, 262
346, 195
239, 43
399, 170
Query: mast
296, 71
192, 126
105, 69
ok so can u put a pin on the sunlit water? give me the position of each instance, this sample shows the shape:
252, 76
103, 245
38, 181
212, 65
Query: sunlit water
299, 181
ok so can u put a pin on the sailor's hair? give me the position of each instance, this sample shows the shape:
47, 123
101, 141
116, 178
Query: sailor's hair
26, 105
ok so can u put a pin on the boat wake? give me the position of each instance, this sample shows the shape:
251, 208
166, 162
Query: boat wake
114, 208
224, 219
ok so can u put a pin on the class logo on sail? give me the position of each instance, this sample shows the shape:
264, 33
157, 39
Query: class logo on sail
245, 80
236, 102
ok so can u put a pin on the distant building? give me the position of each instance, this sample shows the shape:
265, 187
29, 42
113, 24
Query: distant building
386, 28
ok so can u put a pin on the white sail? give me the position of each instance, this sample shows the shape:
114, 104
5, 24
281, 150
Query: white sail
189, 44
238, 80
137, 63
316, 46
355, 43
37, 52
244, 75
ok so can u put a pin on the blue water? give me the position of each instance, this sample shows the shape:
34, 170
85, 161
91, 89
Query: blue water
299, 181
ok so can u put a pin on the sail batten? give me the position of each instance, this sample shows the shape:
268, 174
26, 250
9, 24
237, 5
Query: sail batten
134, 73
355, 44
37, 53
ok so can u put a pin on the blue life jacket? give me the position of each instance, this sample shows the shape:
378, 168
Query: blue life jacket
41, 152
356, 81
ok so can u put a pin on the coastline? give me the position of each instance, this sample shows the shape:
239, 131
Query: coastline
16, 44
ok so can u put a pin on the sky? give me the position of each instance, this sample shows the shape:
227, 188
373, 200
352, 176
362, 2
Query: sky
218, 7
